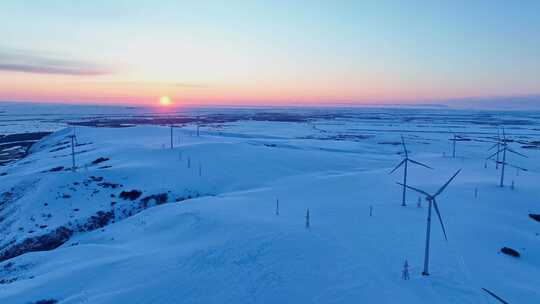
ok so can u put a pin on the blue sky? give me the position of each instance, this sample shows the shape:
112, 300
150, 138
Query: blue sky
268, 52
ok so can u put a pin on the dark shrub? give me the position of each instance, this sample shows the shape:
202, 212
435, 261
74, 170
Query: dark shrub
100, 160
96, 178
109, 185
130, 195
48, 301
535, 217
99, 220
510, 251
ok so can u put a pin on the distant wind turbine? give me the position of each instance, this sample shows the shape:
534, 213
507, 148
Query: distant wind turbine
405, 162
497, 145
431, 198
503, 150
455, 139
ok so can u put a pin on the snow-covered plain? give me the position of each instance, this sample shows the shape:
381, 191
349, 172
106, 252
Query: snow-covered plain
217, 238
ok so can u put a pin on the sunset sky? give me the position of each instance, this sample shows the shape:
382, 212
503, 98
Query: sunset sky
268, 52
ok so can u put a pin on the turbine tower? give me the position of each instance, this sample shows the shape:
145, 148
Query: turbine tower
405, 162
431, 198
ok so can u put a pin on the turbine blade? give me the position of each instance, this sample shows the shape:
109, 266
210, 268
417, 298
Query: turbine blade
440, 218
447, 183
495, 296
517, 153
399, 165
420, 164
491, 156
519, 168
415, 189
494, 146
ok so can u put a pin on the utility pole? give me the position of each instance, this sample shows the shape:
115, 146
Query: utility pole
73, 153
172, 137
277, 206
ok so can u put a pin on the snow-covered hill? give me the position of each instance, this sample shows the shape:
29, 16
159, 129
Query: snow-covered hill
139, 222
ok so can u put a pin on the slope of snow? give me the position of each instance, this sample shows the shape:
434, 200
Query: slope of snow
218, 239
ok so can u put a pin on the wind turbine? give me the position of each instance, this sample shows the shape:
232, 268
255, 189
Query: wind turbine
431, 201
405, 162
454, 139
503, 150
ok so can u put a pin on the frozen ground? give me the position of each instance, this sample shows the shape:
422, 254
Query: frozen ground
204, 228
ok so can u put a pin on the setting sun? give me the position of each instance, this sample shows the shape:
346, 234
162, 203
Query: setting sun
165, 101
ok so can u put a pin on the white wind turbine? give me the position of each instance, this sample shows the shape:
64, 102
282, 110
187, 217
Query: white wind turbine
405, 162
431, 198
502, 147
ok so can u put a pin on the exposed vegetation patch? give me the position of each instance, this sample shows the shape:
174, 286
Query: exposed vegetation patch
56, 169
44, 242
109, 185
99, 220
46, 301
130, 195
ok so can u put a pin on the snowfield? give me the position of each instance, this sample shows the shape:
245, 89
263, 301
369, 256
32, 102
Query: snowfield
204, 229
